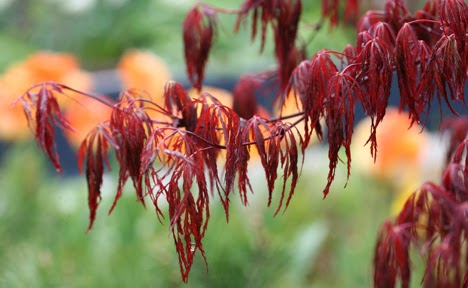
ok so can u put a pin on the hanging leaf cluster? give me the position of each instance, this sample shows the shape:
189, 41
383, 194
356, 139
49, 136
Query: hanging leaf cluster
433, 220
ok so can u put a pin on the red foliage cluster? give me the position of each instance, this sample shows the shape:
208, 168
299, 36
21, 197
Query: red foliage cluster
434, 220
427, 49
184, 155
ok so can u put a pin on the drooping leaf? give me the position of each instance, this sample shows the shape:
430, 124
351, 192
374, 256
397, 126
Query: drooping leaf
301, 87
183, 182
243, 181
383, 31
454, 178
342, 92
278, 147
410, 59
199, 28
128, 124
43, 114
361, 40
349, 56
432, 7
454, 18
219, 126
283, 151
189, 215
391, 260
443, 75
254, 132
262, 8
444, 223
93, 150
376, 63
283, 16
331, 9
311, 94
285, 32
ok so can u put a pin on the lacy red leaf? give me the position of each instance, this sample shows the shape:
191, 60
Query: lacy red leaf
432, 6
321, 68
283, 16
93, 150
391, 259
427, 25
351, 14
383, 31
454, 17
199, 28
182, 181
443, 75
219, 126
285, 31
43, 114
254, 132
300, 85
283, 150
339, 117
266, 8
129, 131
376, 64
408, 51
243, 181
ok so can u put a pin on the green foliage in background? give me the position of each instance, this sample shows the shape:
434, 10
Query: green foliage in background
99, 35
315, 243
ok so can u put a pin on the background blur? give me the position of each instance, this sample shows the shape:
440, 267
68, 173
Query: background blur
107, 45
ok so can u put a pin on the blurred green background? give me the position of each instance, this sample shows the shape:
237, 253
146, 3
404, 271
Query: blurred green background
315, 243
43, 217
97, 32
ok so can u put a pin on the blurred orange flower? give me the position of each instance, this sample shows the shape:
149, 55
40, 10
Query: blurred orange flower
84, 114
144, 71
399, 151
39, 67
